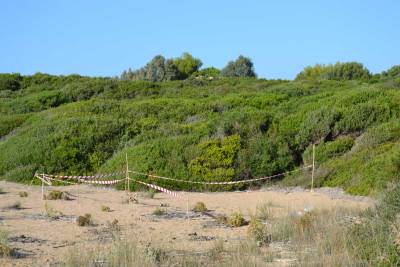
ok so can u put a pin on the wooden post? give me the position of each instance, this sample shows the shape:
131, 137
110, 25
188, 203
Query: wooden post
127, 171
313, 168
42, 188
187, 208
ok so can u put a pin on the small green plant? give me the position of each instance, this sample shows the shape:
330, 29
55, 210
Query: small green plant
159, 212
264, 211
5, 250
23, 194
105, 208
85, 220
200, 207
57, 194
51, 212
259, 232
2, 191
236, 219
222, 219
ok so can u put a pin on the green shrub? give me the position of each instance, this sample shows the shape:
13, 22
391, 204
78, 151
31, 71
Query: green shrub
85, 220
236, 219
200, 207
259, 232
159, 212
328, 150
5, 249
105, 208
57, 194
23, 194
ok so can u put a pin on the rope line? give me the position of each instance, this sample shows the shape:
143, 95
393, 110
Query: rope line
220, 183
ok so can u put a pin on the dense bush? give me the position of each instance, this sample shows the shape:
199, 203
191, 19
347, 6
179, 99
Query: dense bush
338, 71
241, 67
223, 129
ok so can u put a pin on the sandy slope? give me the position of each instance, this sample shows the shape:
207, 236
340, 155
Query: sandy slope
41, 241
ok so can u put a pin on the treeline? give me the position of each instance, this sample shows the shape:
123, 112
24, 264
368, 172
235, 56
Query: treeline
181, 68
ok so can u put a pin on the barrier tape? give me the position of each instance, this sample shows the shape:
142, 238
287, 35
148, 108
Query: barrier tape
159, 188
82, 181
86, 177
101, 182
220, 183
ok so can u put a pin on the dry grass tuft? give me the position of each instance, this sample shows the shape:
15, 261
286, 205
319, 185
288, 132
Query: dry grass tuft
159, 212
57, 194
85, 220
200, 207
236, 219
15, 206
23, 194
105, 208
5, 250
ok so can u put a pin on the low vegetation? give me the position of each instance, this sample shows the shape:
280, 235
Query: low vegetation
57, 194
23, 194
224, 129
200, 207
15, 206
51, 212
159, 212
5, 249
85, 220
236, 219
105, 208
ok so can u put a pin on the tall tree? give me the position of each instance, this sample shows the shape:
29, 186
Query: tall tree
187, 64
241, 67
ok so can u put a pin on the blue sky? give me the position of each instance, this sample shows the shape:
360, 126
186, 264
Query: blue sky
102, 38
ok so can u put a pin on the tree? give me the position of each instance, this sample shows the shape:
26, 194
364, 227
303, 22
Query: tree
155, 69
10, 81
187, 65
339, 71
241, 67
393, 72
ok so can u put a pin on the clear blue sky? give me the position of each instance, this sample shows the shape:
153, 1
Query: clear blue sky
102, 38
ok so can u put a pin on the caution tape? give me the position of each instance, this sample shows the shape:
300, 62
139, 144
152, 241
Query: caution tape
159, 188
101, 182
86, 177
220, 183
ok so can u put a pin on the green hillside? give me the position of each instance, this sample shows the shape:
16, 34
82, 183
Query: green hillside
202, 129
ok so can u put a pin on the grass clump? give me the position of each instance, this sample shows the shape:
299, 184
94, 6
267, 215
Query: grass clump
85, 220
57, 194
105, 208
200, 207
23, 194
236, 219
264, 211
5, 250
51, 212
159, 212
258, 232
148, 194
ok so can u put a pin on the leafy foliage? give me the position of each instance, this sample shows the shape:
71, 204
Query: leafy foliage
223, 129
241, 67
338, 71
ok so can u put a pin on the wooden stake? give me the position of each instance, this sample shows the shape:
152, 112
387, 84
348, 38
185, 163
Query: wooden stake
313, 168
42, 188
187, 208
127, 171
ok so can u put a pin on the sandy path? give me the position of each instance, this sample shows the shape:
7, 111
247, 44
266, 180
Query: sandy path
43, 241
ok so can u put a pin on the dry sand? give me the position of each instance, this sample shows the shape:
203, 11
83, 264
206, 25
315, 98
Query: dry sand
41, 241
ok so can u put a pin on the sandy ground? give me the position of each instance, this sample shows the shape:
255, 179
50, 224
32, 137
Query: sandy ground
41, 241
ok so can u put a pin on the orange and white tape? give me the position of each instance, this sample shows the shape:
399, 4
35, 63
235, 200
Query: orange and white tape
162, 189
